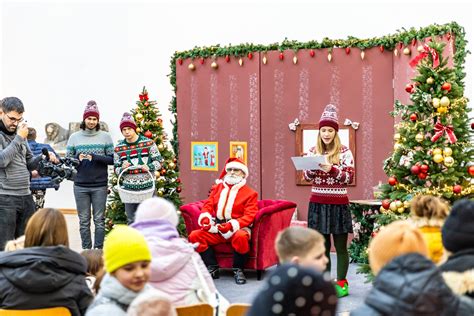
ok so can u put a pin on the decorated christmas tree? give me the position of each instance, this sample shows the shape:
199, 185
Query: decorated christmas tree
433, 151
167, 183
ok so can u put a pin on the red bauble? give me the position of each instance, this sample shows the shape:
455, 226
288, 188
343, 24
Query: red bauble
159, 120
180, 61
415, 169
348, 50
470, 170
457, 189
413, 117
250, 55
381, 48
386, 204
424, 168
146, 103
410, 88
178, 180
281, 56
422, 175
227, 58
178, 189
392, 181
201, 61
163, 172
148, 134
472, 125
311, 53
446, 86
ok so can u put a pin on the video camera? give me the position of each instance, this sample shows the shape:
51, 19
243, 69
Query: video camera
65, 169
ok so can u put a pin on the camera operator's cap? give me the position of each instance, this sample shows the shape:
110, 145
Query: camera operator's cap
127, 121
329, 117
91, 110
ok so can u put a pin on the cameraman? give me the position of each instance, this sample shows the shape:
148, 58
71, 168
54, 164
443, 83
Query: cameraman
94, 149
39, 184
16, 159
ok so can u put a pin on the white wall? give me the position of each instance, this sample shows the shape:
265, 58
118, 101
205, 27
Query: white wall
57, 55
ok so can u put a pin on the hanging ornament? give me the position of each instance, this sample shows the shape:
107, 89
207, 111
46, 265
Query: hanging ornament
191, 67
386, 204
392, 181
446, 86
311, 53
444, 101
395, 52
410, 88
457, 189
470, 170
413, 117
161, 147
422, 175
406, 51
214, 65
399, 204
438, 158
419, 137
180, 61
448, 161
415, 169
160, 121
472, 125
172, 165
397, 146
241, 62
424, 168
436, 102
295, 60
362, 54
146, 103
138, 130
264, 59
178, 189
406, 204
348, 50
202, 60
430, 80
393, 206
442, 110
250, 55
227, 58
281, 56
163, 171
157, 174
447, 151
396, 137
139, 117
178, 180
381, 48
148, 134
437, 151
329, 57
420, 49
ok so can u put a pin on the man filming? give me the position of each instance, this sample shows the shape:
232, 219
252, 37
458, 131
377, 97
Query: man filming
16, 162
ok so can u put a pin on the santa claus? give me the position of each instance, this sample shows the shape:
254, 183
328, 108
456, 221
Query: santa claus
226, 217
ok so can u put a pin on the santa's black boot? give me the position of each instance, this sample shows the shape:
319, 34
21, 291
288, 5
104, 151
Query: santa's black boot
238, 267
209, 258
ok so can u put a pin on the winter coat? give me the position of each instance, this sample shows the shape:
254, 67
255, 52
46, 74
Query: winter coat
113, 298
458, 272
172, 269
412, 285
42, 277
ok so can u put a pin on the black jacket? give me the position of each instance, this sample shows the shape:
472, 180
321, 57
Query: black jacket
458, 272
41, 277
412, 285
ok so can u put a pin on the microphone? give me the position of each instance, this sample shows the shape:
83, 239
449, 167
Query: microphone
45, 152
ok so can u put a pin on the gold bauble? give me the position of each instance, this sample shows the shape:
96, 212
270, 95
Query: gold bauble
442, 110
436, 102
444, 101
397, 146
406, 204
401, 210
419, 137
138, 130
448, 161
447, 151
161, 147
406, 51
437, 151
430, 80
214, 65
399, 204
172, 165
157, 174
420, 48
139, 116
191, 67
393, 206
396, 137
438, 158
160, 193
382, 209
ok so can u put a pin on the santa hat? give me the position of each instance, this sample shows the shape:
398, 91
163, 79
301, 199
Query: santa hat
329, 117
157, 208
234, 163
127, 121
91, 110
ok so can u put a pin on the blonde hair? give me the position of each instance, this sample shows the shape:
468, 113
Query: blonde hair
429, 207
47, 227
333, 150
296, 241
15, 244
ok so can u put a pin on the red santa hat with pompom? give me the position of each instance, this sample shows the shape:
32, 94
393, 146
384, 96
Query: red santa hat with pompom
234, 163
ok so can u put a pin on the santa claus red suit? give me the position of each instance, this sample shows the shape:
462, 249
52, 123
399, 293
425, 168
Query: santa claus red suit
226, 217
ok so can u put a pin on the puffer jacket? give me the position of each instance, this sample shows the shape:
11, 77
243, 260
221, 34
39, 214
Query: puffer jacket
412, 285
42, 277
458, 272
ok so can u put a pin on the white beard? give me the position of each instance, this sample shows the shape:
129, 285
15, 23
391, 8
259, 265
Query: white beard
232, 180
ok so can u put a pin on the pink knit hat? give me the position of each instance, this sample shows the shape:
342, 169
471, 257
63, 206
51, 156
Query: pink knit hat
127, 121
329, 117
91, 110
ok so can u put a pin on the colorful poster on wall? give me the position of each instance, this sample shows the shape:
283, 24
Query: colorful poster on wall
204, 156
239, 150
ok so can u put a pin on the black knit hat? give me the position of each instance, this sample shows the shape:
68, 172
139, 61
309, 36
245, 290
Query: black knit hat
458, 229
295, 290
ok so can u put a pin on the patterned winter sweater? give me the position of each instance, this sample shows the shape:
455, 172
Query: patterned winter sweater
99, 145
141, 152
331, 187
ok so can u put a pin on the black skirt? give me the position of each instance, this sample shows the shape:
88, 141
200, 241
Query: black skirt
330, 218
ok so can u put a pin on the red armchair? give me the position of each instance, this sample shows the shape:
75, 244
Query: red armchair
272, 217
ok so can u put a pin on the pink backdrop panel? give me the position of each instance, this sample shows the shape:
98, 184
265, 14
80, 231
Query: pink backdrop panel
220, 105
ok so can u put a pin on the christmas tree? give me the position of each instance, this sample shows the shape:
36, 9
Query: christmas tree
167, 182
433, 153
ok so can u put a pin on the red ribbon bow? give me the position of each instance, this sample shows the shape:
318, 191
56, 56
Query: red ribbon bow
425, 53
439, 131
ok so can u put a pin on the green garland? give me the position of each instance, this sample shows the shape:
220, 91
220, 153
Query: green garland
389, 42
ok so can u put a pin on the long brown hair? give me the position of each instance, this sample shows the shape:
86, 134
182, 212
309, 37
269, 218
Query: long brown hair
47, 227
95, 260
333, 149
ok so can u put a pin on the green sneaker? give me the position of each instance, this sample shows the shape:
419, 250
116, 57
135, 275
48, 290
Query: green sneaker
342, 288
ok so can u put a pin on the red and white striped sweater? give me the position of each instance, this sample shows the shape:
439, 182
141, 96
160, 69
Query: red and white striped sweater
331, 187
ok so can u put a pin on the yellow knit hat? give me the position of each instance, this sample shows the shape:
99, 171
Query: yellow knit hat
393, 240
124, 245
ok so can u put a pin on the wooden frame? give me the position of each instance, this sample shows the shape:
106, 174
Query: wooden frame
306, 138
238, 150
204, 156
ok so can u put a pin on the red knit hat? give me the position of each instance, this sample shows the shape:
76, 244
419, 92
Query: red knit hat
91, 110
234, 163
127, 121
329, 117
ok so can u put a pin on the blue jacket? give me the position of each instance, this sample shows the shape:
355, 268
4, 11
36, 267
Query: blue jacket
44, 182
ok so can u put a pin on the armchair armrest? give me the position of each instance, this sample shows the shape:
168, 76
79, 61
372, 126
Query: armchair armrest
190, 213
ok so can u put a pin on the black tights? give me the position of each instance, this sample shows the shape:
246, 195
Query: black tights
340, 243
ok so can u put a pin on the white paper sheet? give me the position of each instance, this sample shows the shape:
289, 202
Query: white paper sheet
311, 162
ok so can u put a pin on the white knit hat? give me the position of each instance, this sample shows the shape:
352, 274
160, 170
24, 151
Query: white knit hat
157, 208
